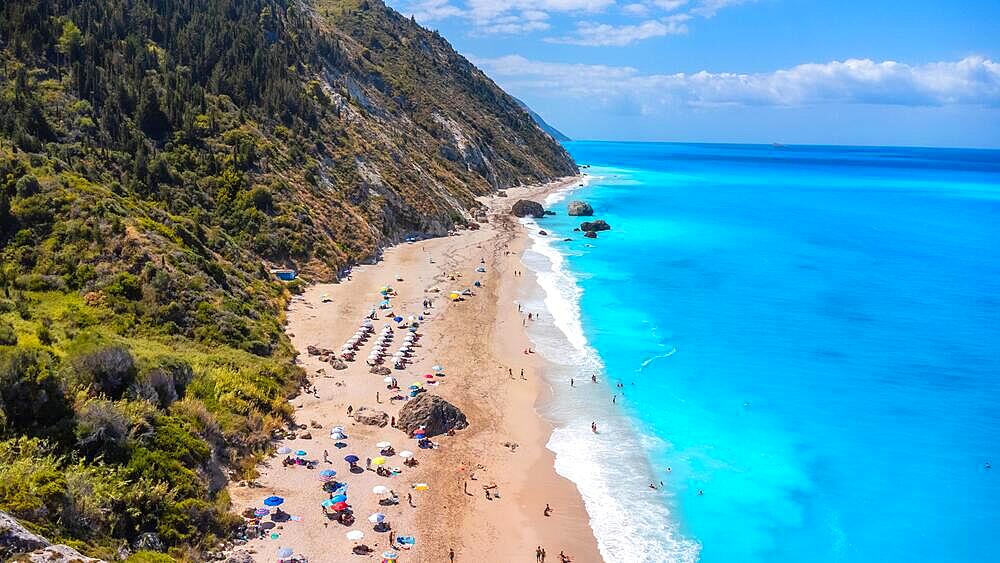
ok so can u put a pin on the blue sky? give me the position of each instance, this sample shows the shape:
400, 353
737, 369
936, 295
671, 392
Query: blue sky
793, 71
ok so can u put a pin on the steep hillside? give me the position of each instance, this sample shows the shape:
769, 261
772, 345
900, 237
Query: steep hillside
156, 156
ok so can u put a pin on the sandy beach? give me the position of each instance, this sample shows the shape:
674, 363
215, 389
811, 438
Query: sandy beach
480, 343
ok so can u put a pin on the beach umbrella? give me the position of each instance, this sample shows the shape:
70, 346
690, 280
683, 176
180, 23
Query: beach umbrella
328, 473
380, 490
339, 506
273, 501
378, 461
355, 535
327, 503
285, 552
420, 487
352, 459
261, 512
428, 376
437, 368
300, 452
397, 319
390, 555
406, 454
383, 445
339, 498
338, 436
284, 450
388, 380
376, 518
326, 479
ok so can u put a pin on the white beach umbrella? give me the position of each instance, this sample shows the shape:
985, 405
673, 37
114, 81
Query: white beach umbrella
387, 380
382, 445
380, 490
406, 454
355, 535
376, 518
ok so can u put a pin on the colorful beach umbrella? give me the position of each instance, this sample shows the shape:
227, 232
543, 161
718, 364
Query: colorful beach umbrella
339, 498
339, 506
301, 452
352, 459
378, 461
273, 501
390, 555
327, 503
420, 487
261, 512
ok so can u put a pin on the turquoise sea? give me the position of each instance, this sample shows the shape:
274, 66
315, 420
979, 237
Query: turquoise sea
810, 336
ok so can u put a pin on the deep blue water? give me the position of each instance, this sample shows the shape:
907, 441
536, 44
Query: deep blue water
809, 335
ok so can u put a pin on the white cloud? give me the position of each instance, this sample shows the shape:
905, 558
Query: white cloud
708, 8
635, 9
593, 34
974, 80
669, 5
433, 10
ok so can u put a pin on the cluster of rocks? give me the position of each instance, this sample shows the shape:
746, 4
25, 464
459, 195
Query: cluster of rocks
326, 355
528, 208
591, 228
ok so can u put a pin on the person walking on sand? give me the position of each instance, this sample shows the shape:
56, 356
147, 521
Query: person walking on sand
548, 510
451, 554
409, 500
326, 456
543, 555
538, 554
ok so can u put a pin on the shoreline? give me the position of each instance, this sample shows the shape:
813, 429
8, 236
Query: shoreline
476, 341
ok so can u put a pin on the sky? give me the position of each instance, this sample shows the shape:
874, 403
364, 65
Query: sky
875, 72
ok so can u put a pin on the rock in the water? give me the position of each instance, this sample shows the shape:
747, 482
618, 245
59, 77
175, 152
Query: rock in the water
432, 413
371, 417
547, 212
590, 234
528, 208
580, 209
543, 233
337, 363
593, 226
312, 350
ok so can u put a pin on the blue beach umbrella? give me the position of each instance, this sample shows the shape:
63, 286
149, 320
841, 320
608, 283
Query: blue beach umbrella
352, 458
398, 319
328, 503
327, 473
285, 552
339, 498
437, 368
273, 501
300, 452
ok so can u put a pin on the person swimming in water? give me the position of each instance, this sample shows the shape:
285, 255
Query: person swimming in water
593, 427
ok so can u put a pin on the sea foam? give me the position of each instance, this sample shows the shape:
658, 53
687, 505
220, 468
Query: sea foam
630, 521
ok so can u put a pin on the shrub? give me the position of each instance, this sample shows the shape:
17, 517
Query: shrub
101, 428
109, 370
7, 335
27, 186
32, 400
125, 285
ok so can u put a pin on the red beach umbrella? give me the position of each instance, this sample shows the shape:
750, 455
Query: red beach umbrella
340, 506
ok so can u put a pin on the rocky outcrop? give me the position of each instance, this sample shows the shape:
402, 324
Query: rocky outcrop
19, 544
590, 234
527, 208
579, 209
371, 417
432, 413
239, 556
595, 226
337, 363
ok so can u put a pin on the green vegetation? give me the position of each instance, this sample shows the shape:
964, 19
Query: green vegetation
156, 157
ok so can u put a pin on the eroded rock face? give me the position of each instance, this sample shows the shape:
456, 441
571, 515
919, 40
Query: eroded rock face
580, 209
527, 208
371, 417
432, 413
19, 544
594, 226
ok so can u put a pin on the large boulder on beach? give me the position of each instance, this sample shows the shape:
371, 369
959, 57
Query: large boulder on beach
337, 363
579, 209
371, 417
594, 226
528, 208
432, 413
